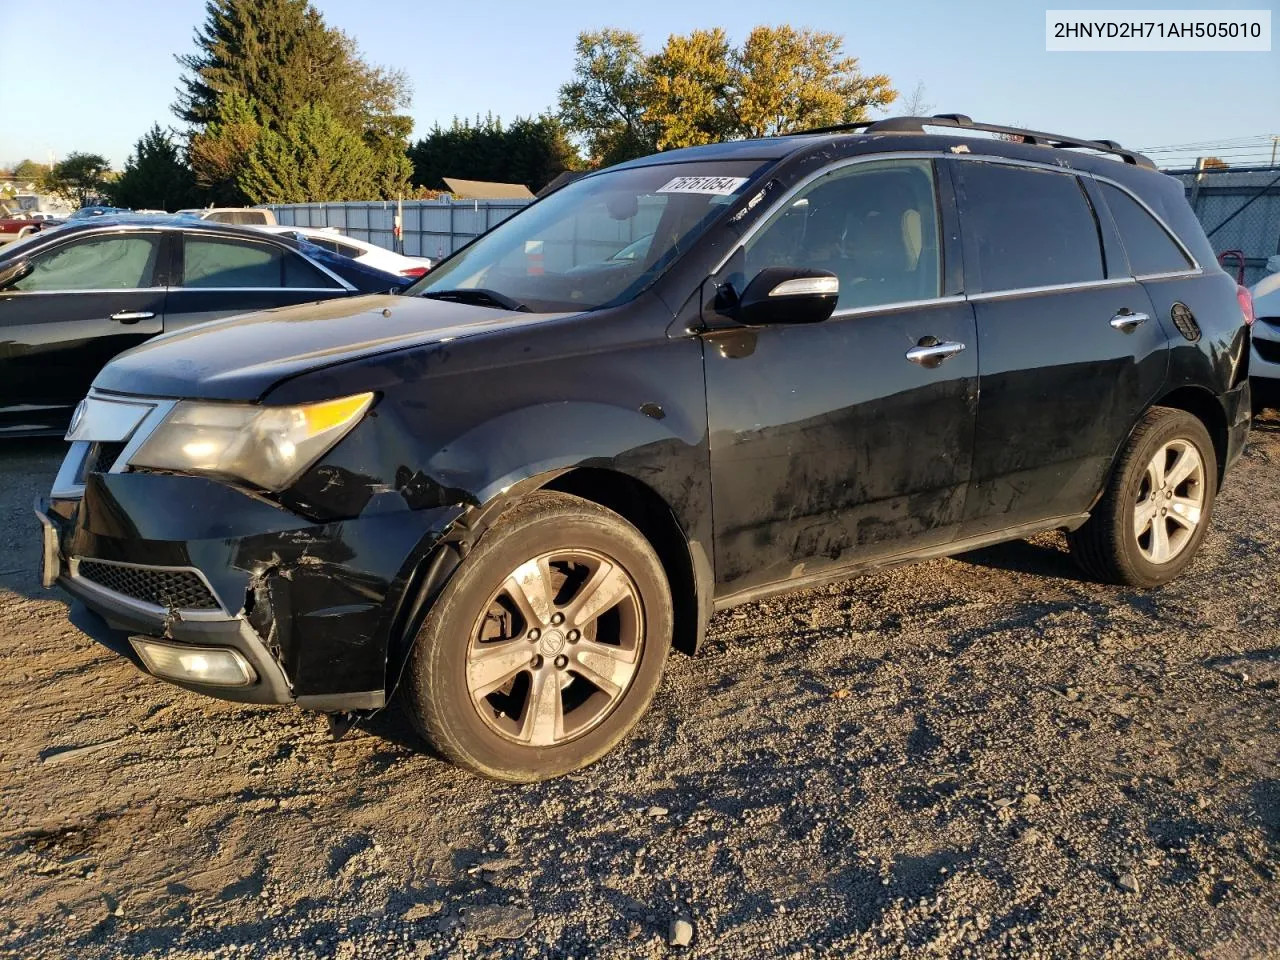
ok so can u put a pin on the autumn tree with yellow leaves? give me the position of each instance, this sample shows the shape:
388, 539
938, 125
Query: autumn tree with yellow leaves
699, 88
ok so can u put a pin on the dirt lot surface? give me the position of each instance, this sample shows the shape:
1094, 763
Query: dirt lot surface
973, 757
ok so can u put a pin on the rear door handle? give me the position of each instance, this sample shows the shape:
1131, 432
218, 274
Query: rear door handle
1128, 322
132, 316
932, 354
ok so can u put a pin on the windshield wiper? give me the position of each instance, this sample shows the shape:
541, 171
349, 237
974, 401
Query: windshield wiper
478, 295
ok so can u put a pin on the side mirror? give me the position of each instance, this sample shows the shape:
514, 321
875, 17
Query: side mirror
788, 295
11, 273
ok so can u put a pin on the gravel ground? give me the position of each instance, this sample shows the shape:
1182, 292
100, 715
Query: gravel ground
974, 757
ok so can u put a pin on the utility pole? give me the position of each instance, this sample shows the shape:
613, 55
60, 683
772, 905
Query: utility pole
1274, 141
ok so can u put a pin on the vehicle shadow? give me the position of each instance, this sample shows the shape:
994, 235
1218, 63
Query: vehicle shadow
1024, 556
27, 469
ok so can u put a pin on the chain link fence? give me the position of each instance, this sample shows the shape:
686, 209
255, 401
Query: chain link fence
1240, 211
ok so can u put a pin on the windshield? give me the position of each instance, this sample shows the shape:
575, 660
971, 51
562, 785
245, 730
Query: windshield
563, 252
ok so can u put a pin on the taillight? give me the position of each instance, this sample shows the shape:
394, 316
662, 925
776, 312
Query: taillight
414, 272
1245, 299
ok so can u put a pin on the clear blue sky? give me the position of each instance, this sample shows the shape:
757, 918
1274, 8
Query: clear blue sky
102, 73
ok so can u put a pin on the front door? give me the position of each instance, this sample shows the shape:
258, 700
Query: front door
83, 302
850, 439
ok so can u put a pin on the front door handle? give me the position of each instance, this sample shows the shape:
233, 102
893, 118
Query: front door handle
1127, 322
132, 316
932, 352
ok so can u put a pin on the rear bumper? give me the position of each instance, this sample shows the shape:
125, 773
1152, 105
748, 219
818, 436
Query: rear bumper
1238, 403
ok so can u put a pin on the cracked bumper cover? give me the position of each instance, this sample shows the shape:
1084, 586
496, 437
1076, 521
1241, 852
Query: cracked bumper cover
309, 605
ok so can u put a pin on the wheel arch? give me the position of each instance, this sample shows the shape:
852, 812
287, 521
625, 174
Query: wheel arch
1205, 407
685, 560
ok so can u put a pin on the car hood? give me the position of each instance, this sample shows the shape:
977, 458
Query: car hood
241, 358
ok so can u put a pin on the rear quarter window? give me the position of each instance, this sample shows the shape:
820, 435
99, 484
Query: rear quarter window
1149, 247
1026, 227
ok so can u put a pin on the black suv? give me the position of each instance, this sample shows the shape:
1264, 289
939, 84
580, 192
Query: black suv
511, 490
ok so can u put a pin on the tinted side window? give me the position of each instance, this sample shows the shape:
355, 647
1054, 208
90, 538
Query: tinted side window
1149, 246
98, 263
222, 263
209, 262
300, 273
874, 225
1028, 227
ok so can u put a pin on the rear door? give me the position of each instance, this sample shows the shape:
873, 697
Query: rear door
220, 276
1069, 353
84, 301
830, 444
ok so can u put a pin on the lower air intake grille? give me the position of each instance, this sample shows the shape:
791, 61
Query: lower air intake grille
168, 588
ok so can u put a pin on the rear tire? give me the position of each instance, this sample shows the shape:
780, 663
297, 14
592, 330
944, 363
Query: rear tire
1157, 506
546, 646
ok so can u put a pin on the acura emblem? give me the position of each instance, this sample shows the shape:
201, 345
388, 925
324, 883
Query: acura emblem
76, 417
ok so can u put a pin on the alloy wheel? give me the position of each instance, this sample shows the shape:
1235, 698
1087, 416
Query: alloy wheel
556, 648
1170, 501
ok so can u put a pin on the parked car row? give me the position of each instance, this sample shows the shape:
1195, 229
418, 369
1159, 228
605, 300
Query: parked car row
72, 298
670, 387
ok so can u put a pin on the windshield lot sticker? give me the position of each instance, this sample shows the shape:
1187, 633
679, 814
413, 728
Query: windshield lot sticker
717, 186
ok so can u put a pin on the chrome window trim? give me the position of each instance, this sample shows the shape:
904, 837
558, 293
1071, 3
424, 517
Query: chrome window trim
92, 586
897, 305
1170, 275
94, 290
253, 289
786, 198
1050, 288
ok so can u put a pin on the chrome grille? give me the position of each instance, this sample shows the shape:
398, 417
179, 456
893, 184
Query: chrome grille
168, 587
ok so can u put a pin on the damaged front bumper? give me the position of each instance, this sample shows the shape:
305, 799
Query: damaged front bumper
193, 563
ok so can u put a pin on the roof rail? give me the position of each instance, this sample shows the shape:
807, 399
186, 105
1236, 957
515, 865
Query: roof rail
962, 122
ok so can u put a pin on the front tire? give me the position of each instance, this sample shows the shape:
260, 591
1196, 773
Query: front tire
1156, 509
547, 645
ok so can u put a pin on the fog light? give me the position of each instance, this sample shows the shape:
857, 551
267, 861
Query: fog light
216, 666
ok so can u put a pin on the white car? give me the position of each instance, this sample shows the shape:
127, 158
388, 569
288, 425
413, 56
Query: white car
1264, 364
367, 253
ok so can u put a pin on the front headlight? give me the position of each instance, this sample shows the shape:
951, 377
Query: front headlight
270, 447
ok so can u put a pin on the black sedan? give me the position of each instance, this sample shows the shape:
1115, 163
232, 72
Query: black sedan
73, 297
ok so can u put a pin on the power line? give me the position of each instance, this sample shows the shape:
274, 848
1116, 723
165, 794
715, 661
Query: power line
1196, 144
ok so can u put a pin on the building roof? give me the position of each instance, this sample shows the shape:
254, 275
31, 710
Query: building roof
485, 190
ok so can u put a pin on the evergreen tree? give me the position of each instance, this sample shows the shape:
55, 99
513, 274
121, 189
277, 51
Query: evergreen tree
220, 152
280, 58
154, 176
530, 151
314, 159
